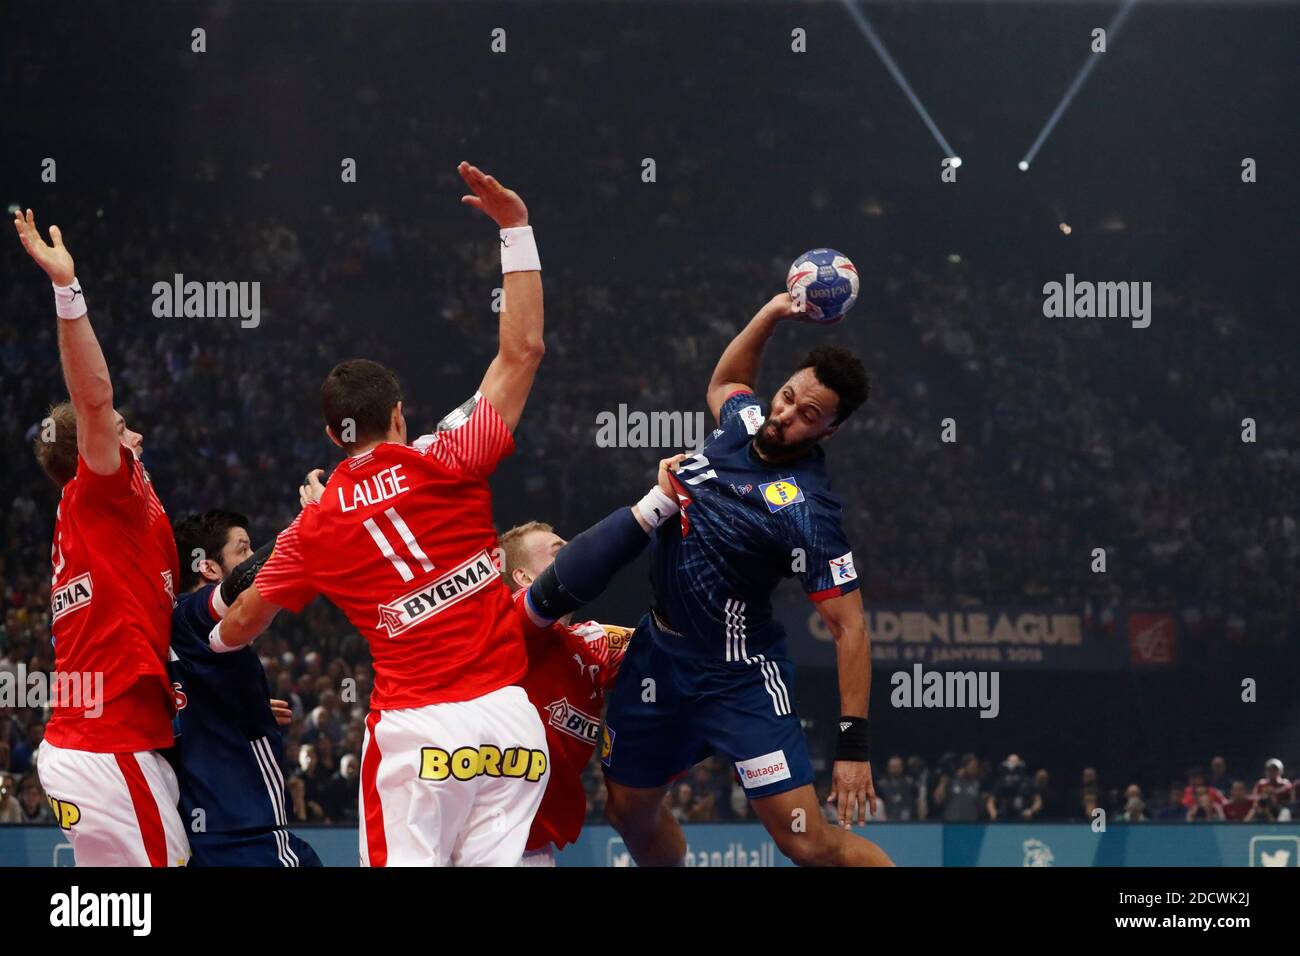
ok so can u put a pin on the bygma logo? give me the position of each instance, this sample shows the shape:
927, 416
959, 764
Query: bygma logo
75, 908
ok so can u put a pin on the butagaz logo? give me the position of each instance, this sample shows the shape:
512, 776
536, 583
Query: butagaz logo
72, 596
75, 690
208, 300
626, 429
842, 570
760, 771
948, 689
781, 494
1102, 300
741, 490
568, 719
74, 908
428, 599
752, 416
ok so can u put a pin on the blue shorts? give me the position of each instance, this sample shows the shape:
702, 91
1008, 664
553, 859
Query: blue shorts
265, 848
699, 706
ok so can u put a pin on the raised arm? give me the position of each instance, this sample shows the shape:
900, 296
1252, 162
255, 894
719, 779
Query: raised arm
509, 377
84, 368
738, 366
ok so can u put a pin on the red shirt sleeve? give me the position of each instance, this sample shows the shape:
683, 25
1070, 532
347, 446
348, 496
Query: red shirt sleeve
284, 580
471, 440
108, 489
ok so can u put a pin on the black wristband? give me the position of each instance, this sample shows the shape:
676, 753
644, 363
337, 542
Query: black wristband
240, 579
851, 743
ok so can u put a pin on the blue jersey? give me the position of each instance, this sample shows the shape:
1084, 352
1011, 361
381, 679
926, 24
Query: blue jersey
744, 526
228, 746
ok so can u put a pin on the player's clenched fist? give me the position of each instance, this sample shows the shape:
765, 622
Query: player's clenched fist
503, 205
54, 259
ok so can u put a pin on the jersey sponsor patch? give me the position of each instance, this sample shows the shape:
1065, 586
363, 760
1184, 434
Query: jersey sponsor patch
752, 416
842, 570
760, 771
427, 600
568, 719
73, 596
606, 745
781, 494
618, 637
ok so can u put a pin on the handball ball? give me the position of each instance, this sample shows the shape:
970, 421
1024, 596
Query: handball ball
825, 283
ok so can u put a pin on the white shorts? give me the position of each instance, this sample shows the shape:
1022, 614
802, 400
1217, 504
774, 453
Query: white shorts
117, 809
452, 784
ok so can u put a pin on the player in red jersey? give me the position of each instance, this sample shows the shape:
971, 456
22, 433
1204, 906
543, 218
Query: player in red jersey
112, 590
454, 762
569, 665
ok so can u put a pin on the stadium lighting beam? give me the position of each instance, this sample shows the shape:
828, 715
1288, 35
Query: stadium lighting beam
868, 31
1112, 30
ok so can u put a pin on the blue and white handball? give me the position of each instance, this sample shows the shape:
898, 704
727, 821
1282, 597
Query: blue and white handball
824, 283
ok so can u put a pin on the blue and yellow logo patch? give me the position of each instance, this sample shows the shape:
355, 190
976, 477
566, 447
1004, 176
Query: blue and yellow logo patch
606, 744
780, 494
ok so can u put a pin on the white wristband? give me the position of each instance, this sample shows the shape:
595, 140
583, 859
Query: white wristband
69, 303
519, 250
656, 507
215, 642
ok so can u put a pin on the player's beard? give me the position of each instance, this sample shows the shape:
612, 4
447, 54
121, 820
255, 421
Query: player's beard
770, 443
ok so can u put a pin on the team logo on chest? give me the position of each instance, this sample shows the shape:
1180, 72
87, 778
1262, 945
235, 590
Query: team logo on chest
427, 600
781, 494
567, 719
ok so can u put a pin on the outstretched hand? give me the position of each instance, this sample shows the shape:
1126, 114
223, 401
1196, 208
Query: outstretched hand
54, 259
502, 205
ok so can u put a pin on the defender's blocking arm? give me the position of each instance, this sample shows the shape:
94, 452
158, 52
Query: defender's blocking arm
84, 368
509, 377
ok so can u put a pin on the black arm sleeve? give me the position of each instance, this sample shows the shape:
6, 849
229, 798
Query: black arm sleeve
239, 580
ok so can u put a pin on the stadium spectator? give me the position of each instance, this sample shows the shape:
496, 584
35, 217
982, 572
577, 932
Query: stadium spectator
1273, 784
32, 800
1240, 803
1012, 793
1219, 778
1195, 781
1134, 811
958, 794
10, 810
896, 791
1204, 807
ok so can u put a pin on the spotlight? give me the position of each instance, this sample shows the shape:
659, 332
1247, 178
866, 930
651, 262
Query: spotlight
1022, 166
954, 161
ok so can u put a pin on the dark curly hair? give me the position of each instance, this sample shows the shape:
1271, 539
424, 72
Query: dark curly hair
843, 373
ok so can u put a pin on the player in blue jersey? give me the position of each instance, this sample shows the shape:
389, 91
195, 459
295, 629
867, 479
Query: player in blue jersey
228, 749
707, 669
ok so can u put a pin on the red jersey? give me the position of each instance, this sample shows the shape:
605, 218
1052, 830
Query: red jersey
402, 542
569, 667
111, 597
